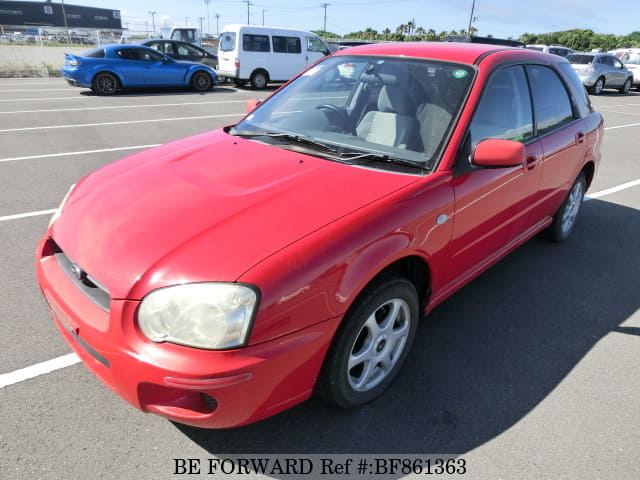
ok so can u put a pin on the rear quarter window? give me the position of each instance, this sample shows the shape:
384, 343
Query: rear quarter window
94, 53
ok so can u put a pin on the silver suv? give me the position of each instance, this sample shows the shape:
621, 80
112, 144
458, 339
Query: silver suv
601, 70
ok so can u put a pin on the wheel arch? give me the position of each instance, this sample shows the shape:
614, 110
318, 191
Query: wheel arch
589, 171
262, 70
107, 70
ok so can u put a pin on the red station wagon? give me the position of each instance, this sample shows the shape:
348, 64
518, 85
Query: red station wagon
225, 277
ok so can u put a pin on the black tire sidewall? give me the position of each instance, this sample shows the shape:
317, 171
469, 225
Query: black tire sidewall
98, 90
555, 230
333, 384
194, 83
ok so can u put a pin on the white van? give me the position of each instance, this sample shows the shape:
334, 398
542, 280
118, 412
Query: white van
266, 54
184, 34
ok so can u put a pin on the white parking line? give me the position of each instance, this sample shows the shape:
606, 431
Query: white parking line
615, 189
38, 369
122, 106
28, 214
175, 119
623, 126
39, 90
65, 154
36, 99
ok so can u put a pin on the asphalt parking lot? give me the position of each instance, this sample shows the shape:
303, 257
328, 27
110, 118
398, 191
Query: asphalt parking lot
531, 371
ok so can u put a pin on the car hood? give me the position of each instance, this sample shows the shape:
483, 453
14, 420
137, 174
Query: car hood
206, 208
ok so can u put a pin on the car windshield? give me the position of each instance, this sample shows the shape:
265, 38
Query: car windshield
366, 107
580, 59
633, 58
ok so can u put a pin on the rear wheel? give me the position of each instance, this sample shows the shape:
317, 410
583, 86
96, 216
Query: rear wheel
597, 87
371, 344
565, 218
259, 79
626, 87
105, 84
201, 82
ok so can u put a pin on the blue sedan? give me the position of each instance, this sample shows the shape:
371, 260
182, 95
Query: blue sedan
108, 69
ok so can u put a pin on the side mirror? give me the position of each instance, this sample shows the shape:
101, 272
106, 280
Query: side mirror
498, 153
252, 105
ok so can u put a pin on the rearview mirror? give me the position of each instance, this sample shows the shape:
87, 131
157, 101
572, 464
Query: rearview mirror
252, 105
498, 153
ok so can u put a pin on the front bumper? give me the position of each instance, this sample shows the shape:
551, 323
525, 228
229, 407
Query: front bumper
211, 389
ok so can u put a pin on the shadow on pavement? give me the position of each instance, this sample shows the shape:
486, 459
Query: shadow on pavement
484, 358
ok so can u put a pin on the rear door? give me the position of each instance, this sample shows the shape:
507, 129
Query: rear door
493, 205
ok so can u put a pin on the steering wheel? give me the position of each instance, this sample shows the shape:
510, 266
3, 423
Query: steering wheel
337, 116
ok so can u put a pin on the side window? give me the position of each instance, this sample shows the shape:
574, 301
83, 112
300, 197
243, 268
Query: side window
124, 53
617, 63
286, 44
255, 43
551, 102
607, 61
504, 111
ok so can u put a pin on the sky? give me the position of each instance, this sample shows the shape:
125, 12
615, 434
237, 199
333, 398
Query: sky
500, 18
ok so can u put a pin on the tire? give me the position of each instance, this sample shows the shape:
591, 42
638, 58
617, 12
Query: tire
371, 344
105, 83
201, 81
624, 89
597, 87
565, 218
259, 79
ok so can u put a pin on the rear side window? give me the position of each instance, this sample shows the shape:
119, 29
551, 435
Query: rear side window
607, 61
286, 44
504, 111
228, 41
580, 59
94, 53
551, 102
255, 43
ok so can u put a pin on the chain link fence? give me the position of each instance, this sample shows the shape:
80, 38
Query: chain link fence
39, 52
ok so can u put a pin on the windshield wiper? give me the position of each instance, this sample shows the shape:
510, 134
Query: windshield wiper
300, 139
369, 157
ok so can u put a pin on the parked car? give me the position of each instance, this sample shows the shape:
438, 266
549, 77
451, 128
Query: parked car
598, 71
108, 69
265, 54
222, 278
630, 57
182, 51
552, 49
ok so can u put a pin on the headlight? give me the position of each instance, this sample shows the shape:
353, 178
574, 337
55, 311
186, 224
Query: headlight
58, 211
204, 315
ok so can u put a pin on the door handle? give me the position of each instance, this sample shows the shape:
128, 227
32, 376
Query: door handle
531, 162
579, 137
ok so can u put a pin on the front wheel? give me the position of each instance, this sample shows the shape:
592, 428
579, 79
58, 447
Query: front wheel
105, 84
565, 218
371, 344
626, 87
201, 82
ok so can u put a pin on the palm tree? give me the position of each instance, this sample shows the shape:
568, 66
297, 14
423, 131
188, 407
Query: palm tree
401, 29
386, 33
410, 26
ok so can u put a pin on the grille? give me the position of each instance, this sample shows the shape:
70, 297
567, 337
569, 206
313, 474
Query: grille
81, 279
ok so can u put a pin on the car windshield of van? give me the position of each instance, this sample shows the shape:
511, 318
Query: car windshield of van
227, 41
365, 109
633, 58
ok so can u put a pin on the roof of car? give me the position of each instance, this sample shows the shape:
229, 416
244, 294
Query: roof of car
448, 51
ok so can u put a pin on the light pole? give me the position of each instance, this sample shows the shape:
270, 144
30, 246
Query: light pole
153, 21
325, 5
207, 2
217, 24
248, 2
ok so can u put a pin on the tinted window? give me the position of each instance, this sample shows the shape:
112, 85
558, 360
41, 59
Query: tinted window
552, 105
607, 61
94, 53
189, 50
144, 54
286, 44
580, 59
255, 43
228, 41
504, 110
578, 86
124, 53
